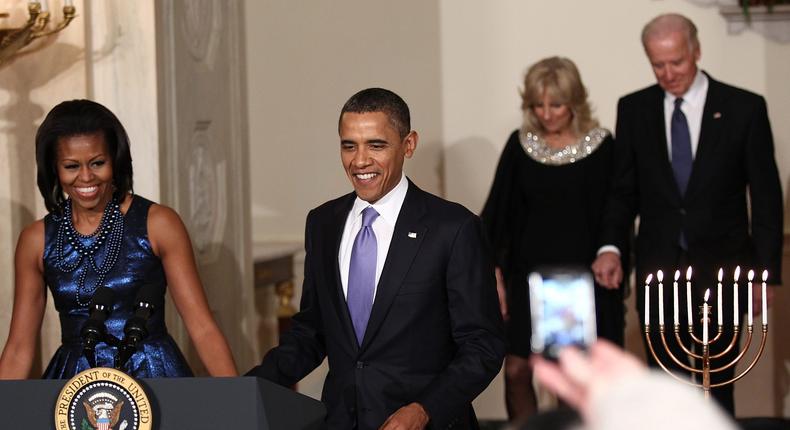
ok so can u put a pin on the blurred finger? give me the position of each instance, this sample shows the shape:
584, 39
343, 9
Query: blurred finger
576, 365
552, 377
607, 358
598, 273
617, 278
610, 280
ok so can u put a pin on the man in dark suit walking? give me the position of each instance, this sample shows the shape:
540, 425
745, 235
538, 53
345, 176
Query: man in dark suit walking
695, 161
399, 291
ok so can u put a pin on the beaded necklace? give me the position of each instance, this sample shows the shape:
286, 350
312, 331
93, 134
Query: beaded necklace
110, 231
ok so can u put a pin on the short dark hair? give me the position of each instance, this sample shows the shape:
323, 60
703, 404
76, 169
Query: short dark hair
76, 118
380, 100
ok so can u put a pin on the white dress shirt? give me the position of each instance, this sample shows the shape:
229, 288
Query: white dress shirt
388, 208
692, 107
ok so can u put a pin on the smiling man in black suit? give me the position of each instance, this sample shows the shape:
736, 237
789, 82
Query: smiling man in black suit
694, 158
399, 291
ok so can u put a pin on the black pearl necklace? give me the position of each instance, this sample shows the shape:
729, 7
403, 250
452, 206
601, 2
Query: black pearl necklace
109, 232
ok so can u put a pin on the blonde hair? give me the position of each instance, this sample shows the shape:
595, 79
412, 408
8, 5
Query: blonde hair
559, 78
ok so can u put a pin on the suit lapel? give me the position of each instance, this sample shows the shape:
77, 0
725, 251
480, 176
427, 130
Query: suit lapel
401, 254
661, 141
709, 136
335, 227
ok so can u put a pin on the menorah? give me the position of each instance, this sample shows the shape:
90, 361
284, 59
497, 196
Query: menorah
705, 359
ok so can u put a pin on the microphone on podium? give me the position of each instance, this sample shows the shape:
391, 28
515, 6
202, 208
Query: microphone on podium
93, 330
147, 301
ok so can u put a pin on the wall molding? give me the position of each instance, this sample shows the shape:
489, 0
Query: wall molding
734, 13
772, 25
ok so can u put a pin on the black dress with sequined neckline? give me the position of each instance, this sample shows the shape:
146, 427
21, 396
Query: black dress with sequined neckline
545, 208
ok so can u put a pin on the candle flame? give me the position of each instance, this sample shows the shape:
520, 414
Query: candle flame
737, 273
688, 274
660, 276
721, 274
765, 275
707, 295
649, 278
677, 275
750, 275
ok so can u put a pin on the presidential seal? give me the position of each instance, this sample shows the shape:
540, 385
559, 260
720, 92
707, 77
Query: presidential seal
102, 399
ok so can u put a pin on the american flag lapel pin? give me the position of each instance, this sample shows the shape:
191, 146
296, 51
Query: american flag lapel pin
412, 235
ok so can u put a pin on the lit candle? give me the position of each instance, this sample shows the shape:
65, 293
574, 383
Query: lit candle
675, 296
688, 297
660, 277
719, 307
647, 299
705, 318
749, 305
765, 299
735, 316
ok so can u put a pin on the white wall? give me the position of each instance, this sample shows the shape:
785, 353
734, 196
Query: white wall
305, 59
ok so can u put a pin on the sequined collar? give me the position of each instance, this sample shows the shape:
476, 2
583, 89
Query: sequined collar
538, 150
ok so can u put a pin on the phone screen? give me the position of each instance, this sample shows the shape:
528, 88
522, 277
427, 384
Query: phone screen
562, 303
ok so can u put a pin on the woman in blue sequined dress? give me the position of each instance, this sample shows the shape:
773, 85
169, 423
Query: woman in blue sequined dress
99, 236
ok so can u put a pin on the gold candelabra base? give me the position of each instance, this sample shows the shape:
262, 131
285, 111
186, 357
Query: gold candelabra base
13, 40
706, 369
706, 364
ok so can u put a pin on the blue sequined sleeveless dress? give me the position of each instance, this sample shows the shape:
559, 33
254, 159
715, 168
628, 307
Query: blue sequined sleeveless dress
157, 355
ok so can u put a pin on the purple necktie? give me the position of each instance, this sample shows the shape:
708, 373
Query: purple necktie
362, 274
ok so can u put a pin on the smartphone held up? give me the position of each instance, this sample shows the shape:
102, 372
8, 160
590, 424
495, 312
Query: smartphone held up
562, 304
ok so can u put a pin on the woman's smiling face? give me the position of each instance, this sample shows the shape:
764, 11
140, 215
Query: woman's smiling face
85, 171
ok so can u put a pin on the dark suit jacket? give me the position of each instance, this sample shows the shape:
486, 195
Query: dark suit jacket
435, 332
735, 155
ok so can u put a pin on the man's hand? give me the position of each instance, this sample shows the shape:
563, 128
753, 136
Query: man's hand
409, 417
502, 293
607, 270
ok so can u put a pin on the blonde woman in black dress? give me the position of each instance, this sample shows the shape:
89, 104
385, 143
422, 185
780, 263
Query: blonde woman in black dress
544, 208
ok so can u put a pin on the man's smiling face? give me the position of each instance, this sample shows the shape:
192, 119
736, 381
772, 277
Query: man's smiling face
373, 153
